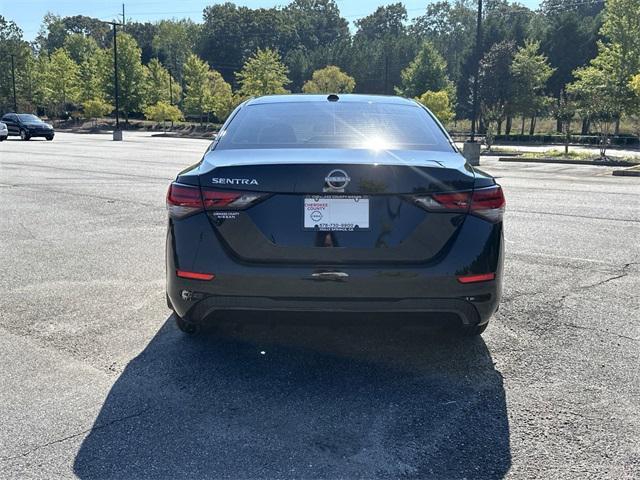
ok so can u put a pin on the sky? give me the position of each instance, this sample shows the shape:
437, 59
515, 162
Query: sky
28, 13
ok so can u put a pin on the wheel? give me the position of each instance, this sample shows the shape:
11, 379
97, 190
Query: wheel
49, 138
190, 328
24, 135
473, 330
2, 139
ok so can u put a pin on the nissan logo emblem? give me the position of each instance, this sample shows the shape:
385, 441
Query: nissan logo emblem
337, 179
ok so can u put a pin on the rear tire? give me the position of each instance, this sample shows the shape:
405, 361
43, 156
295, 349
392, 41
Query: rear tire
49, 138
24, 135
473, 330
185, 326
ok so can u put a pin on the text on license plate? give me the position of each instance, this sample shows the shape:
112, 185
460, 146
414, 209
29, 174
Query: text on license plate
336, 213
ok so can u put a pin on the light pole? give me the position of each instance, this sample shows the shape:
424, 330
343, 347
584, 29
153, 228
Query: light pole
471, 149
117, 133
13, 81
477, 72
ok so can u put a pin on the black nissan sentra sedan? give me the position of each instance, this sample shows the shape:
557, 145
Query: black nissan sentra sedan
349, 203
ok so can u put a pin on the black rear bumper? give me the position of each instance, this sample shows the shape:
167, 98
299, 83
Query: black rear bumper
463, 309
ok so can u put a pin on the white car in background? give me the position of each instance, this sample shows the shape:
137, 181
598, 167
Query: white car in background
4, 132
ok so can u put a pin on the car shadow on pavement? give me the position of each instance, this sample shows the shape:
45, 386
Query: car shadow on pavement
296, 401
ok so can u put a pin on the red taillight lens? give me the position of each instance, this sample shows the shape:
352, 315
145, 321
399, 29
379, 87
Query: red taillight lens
230, 199
458, 201
183, 200
488, 203
217, 199
483, 277
195, 275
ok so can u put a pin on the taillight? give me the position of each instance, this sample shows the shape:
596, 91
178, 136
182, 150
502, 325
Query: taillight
184, 200
229, 200
487, 202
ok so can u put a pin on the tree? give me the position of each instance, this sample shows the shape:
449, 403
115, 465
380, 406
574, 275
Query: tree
496, 84
381, 49
173, 41
79, 47
90, 83
61, 81
386, 20
263, 74
222, 99
438, 103
450, 27
564, 111
131, 76
329, 79
159, 86
530, 72
161, 112
621, 50
427, 71
596, 92
198, 97
96, 108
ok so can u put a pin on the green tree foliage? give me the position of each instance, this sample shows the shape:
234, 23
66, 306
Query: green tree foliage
96, 108
381, 48
161, 112
159, 85
263, 74
198, 97
530, 72
131, 76
223, 100
496, 83
603, 88
144, 34
11, 43
450, 27
438, 103
428, 71
173, 41
60, 81
80, 47
329, 79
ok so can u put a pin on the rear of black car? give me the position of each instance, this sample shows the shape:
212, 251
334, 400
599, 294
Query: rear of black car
350, 204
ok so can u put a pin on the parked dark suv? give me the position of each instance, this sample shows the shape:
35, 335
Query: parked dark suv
27, 126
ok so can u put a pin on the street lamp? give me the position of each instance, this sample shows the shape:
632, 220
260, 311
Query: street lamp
471, 149
13, 80
117, 133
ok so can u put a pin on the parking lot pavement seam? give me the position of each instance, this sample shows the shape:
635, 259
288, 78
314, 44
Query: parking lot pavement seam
72, 436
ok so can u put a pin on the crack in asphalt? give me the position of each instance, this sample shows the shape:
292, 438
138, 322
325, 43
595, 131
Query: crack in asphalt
559, 303
624, 272
69, 437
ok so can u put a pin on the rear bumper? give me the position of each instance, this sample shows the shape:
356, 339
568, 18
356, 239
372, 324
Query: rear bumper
464, 310
428, 287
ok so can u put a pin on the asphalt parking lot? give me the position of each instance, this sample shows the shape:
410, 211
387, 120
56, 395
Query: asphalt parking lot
97, 382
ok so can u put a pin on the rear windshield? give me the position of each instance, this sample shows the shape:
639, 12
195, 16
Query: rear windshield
334, 125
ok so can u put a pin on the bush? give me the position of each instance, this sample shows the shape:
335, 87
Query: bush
161, 112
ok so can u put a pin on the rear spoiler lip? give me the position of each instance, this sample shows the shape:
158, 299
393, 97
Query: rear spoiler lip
242, 157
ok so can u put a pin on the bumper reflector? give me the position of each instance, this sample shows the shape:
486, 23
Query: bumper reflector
483, 277
195, 275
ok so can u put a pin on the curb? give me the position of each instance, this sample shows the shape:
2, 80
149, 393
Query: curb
627, 172
613, 163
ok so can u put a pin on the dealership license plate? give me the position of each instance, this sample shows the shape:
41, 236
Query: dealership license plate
336, 213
